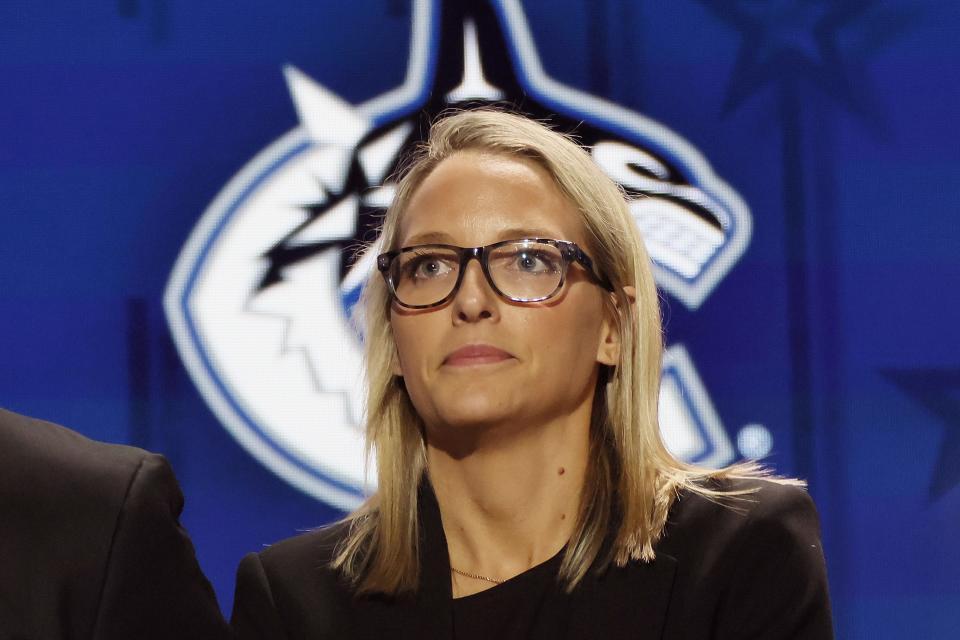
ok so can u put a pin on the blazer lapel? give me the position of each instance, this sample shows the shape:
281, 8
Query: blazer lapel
434, 601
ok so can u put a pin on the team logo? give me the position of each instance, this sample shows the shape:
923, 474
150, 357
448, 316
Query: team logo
260, 299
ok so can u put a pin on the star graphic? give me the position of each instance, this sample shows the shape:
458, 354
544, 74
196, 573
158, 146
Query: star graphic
937, 390
356, 185
825, 43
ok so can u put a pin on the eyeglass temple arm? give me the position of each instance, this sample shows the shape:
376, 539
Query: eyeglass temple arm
580, 256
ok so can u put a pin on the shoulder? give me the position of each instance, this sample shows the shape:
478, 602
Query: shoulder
767, 495
34, 448
751, 561
767, 520
51, 476
300, 562
309, 551
757, 507
81, 482
291, 584
114, 511
733, 535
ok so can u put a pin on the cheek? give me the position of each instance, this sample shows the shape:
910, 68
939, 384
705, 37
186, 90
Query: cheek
411, 336
567, 338
401, 340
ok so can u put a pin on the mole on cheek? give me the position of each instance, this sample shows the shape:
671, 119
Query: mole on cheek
561, 471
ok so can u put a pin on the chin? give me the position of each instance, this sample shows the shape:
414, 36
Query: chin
473, 411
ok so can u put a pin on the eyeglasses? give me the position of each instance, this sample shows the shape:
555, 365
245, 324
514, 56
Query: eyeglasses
524, 270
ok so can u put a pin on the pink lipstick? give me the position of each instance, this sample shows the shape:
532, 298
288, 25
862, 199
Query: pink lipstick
472, 354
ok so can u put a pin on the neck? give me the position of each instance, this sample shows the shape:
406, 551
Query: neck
511, 501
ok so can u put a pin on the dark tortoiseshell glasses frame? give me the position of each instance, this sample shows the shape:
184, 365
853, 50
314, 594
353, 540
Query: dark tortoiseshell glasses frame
569, 253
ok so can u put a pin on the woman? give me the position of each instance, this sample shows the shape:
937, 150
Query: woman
513, 349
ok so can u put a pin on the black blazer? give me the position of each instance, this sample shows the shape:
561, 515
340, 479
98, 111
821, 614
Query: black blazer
751, 570
90, 545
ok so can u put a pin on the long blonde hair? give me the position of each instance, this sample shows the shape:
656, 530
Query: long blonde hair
632, 479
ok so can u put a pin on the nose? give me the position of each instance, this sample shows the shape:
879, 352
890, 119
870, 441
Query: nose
475, 300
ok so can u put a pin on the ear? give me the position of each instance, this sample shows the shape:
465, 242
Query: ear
608, 350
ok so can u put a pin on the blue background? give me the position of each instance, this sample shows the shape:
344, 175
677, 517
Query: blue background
119, 123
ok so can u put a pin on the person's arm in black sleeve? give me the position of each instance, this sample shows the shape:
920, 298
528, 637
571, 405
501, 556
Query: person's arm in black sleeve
154, 588
254, 614
779, 590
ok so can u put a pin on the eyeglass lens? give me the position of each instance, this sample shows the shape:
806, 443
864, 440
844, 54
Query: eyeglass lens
520, 270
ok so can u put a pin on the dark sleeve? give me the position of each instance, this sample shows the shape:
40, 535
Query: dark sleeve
254, 614
779, 589
153, 587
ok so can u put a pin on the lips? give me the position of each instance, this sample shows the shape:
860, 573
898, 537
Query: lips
472, 354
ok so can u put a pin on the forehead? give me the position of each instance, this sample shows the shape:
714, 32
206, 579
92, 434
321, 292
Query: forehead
476, 198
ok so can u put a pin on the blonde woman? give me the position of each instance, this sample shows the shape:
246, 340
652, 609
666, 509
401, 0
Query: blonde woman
513, 352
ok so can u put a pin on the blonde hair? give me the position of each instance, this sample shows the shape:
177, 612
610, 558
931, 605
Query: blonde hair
632, 479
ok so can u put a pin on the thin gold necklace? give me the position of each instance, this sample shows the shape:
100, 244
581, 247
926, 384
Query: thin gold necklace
476, 576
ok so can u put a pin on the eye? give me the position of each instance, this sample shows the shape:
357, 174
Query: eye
427, 266
534, 261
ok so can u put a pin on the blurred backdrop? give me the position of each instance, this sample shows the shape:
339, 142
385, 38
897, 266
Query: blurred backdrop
184, 188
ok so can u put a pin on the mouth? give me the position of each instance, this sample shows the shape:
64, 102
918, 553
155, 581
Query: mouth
476, 354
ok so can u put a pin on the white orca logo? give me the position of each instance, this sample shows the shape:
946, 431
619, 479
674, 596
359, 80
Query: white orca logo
259, 300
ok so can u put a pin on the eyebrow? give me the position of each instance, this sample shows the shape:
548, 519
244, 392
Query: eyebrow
504, 234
